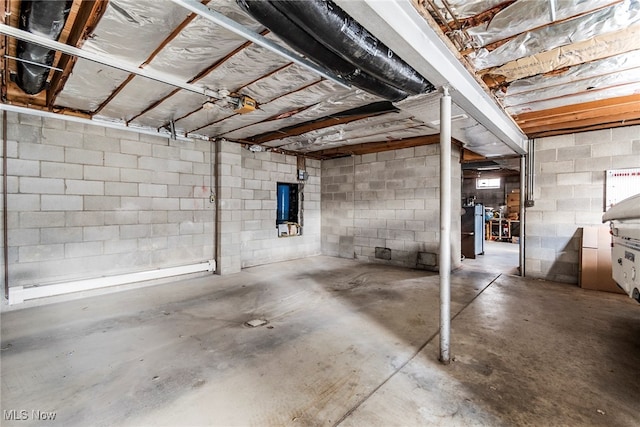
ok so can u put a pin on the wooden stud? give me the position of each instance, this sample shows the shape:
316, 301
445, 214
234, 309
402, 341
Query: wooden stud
86, 18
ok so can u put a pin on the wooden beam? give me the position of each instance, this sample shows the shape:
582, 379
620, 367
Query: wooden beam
497, 44
275, 117
478, 19
176, 31
17, 96
377, 147
10, 16
199, 76
567, 130
468, 156
113, 94
343, 117
613, 112
598, 47
578, 124
86, 18
472, 174
64, 34
567, 110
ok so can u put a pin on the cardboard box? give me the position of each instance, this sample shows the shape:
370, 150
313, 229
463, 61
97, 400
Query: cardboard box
595, 260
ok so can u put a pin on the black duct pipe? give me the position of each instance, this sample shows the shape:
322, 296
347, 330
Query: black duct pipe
298, 39
45, 18
340, 33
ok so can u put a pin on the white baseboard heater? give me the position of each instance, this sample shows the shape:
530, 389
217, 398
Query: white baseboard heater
20, 294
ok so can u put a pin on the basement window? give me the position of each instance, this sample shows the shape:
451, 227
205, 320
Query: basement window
287, 210
482, 183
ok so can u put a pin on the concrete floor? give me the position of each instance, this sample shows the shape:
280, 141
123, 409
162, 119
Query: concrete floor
498, 257
346, 343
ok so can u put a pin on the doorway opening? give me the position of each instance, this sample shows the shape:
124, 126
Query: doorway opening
490, 224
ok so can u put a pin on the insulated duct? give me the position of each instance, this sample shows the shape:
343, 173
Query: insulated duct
328, 36
44, 18
298, 39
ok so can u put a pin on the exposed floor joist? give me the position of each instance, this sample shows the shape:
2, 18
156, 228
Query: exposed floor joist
615, 112
344, 117
399, 26
83, 18
377, 147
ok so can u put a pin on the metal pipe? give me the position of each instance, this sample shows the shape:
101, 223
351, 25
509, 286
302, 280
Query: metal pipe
26, 61
453, 15
523, 178
106, 60
531, 176
445, 226
440, 15
20, 294
214, 191
5, 222
217, 226
552, 10
231, 25
94, 122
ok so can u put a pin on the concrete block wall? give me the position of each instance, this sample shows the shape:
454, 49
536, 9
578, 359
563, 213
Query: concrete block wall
260, 244
229, 207
490, 197
569, 194
389, 200
86, 201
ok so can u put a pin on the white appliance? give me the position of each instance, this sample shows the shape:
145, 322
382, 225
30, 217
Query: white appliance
625, 252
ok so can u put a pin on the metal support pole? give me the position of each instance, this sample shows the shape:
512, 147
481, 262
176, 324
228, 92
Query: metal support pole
523, 178
5, 222
445, 226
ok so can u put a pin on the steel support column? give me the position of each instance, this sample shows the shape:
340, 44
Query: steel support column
445, 226
523, 195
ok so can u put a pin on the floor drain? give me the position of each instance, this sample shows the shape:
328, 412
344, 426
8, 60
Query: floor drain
255, 323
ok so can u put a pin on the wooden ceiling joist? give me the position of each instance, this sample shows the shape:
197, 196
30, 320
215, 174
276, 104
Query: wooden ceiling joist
113, 94
599, 126
271, 100
485, 16
468, 156
344, 117
599, 47
583, 123
83, 18
377, 147
584, 107
613, 112
200, 76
